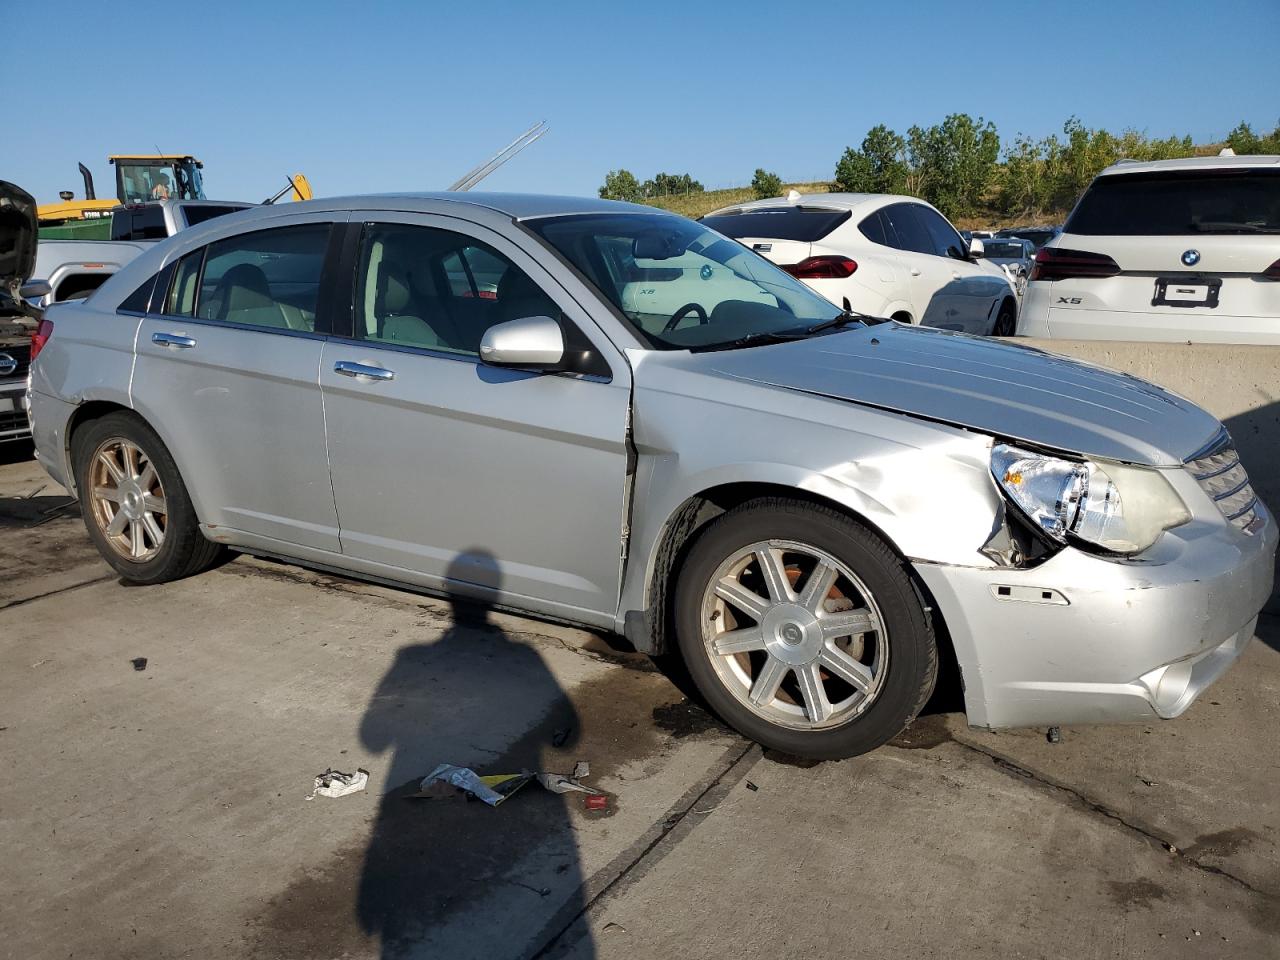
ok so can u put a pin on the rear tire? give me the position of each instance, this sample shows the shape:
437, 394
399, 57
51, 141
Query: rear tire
802, 629
1006, 320
135, 505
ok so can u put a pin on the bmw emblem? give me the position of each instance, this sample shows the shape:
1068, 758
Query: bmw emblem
705, 272
1190, 258
7, 364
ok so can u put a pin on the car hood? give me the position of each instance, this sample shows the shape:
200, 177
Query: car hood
1003, 389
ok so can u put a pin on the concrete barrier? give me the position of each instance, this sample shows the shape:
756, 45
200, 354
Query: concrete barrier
1238, 384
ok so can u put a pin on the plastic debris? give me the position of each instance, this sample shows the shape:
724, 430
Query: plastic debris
448, 780
752, 787
595, 801
139, 663
335, 783
1054, 735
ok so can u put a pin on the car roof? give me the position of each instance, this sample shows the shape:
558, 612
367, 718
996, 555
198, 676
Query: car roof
518, 206
1259, 161
822, 201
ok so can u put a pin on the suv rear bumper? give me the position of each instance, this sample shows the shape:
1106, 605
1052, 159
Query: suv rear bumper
1115, 641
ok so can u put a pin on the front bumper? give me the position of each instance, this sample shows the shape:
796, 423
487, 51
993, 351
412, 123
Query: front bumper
14, 423
1083, 639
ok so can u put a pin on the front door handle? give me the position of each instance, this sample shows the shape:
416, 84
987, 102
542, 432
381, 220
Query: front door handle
349, 369
175, 340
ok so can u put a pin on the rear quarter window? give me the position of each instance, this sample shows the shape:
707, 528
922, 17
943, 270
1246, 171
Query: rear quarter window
780, 223
1179, 203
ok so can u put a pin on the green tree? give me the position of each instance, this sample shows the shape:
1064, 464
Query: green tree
853, 172
620, 185
765, 184
669, 184
955, 162
886, 152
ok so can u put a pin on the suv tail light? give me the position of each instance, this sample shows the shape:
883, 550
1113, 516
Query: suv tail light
1055, 263
1272, 272
38, 339
822, 268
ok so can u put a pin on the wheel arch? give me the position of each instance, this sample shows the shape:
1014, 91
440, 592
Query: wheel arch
651, 629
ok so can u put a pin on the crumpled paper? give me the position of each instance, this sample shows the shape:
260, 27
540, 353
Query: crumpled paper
334, 783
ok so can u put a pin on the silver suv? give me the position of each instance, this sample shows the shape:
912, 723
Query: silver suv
613, 416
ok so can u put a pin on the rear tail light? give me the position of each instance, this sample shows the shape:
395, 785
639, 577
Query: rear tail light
1055, 263
822, 268
1272, 272
38, 339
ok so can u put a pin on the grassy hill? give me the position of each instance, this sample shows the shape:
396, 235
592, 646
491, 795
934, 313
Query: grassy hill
698, 204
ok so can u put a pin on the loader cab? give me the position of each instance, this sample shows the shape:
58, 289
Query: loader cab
140, 179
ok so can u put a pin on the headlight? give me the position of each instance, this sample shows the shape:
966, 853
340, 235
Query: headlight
1123, 509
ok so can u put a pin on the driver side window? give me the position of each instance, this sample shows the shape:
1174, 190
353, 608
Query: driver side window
438, 290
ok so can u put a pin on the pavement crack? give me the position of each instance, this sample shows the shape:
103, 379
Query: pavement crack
739, 762
1083, 801
53, 593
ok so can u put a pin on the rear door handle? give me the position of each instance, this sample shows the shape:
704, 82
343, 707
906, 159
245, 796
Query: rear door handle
175, 340
349, 369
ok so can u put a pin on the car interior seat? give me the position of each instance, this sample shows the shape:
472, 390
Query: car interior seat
243, 295
391, 302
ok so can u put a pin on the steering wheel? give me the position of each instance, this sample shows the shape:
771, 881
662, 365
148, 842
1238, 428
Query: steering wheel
682, 312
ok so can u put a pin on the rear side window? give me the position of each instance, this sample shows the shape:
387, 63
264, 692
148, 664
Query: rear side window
139, 301
806, 224
1177, 203
197, 215
908, 228
270, 278
142, 223
873, 229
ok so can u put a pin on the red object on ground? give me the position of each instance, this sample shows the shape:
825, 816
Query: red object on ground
593, 801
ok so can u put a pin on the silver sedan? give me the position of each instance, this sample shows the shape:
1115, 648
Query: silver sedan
609, 415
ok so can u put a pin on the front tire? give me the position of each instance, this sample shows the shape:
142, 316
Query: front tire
135, 505
802, 630
1006, 320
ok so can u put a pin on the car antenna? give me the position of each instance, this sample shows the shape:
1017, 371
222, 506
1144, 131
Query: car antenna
502, 156
290, 185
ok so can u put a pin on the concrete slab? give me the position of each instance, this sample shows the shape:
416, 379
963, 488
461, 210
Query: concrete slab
934, 852
1208, 782
165, 809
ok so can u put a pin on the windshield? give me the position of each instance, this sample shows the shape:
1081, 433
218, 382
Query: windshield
682, 285
805, 224
998, 248
140, 182
1180, 203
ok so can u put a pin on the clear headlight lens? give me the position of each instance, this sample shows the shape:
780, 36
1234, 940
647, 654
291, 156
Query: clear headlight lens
1123, 509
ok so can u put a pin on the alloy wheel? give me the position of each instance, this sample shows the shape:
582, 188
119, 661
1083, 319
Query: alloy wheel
127, 499
794, 635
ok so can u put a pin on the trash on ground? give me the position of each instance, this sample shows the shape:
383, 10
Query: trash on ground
752, 787
1054, 735
450, 781
595, 801
139, 663
335, 783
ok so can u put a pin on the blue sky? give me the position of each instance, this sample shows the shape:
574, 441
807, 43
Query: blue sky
377, 96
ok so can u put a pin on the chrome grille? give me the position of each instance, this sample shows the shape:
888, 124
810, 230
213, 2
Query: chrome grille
1222, 476
21, 360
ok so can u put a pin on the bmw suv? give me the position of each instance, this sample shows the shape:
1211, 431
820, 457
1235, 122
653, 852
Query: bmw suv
1172, 250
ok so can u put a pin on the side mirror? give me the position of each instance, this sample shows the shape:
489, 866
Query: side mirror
977, 249
529, 342
35, 289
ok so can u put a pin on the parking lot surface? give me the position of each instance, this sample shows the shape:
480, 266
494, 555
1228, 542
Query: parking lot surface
163, 811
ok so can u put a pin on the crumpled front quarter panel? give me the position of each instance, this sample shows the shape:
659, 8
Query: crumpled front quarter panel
927, 487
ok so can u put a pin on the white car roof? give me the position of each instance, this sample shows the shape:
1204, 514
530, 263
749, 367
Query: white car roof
825, 201
1260, 161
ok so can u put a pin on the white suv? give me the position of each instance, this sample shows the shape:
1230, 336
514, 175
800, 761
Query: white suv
880, 255
1172, 250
